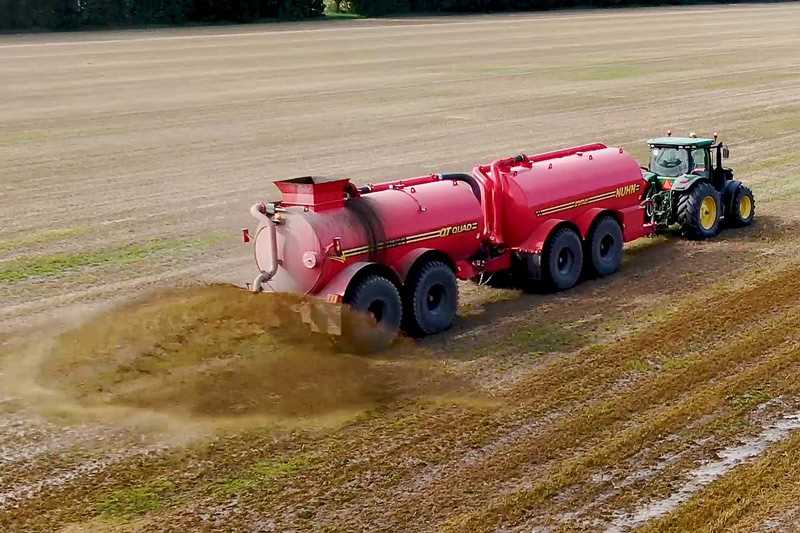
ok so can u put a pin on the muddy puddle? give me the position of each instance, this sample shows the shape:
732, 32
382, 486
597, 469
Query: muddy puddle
703, 475
210, 354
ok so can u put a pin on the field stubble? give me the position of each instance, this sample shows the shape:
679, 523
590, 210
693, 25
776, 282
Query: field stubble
585, 410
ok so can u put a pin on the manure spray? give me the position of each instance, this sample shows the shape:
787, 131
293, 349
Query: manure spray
207, 356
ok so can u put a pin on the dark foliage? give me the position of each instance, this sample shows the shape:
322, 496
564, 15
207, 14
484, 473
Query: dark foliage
69, 14
382, 7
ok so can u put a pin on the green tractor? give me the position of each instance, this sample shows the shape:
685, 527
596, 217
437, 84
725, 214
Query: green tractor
690, 187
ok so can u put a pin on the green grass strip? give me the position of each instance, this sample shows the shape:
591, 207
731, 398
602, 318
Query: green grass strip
48, 266
134, 501
38, 238
262, 474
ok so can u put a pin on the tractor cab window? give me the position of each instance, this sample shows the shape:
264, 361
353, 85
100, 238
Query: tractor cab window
700, 163
668, 161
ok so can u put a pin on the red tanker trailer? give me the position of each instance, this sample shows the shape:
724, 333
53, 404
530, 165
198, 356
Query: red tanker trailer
393, 250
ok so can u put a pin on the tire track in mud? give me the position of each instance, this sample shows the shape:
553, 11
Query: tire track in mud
747, 499
575, 470
694, 320
703, 475
563, 396
621, 487
504, 459
554, 447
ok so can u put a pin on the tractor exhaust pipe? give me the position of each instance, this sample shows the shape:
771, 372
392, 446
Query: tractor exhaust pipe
265, 222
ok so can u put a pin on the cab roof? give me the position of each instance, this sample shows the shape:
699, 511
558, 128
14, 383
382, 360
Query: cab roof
688, 142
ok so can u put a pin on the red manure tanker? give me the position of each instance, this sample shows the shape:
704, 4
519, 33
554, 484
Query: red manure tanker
393, 251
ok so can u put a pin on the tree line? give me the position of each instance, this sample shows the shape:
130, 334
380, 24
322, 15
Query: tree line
385, 7
71, 14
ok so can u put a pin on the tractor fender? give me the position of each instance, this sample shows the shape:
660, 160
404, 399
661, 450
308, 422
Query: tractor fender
336, 289
684, 184
729, 195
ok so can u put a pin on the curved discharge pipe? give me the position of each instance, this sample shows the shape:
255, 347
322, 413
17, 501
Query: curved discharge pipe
265, 222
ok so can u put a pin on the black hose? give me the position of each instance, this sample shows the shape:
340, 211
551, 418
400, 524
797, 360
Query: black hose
468, 179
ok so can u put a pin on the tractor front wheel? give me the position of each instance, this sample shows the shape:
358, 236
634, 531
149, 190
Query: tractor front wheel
563, 259
743, 208
432, 299
372, 318
699, 212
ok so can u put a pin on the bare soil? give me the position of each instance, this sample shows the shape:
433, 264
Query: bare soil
138, 393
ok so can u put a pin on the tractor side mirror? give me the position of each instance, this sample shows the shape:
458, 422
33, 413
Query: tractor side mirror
726, 153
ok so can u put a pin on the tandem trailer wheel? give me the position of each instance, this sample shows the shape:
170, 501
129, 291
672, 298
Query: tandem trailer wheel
605, 246
562, 262
372, 321
431, 299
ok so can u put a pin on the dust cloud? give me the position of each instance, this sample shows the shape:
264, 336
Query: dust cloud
210, 354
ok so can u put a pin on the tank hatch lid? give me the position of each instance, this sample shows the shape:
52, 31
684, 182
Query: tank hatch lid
315, 192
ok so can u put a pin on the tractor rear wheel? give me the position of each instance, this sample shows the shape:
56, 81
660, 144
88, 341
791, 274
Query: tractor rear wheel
743, 208
563, 259
605, 246
432, 299
373, 318
699, 212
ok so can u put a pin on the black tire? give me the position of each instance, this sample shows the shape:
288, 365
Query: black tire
742, 208
694, 216
605, 246
563, 259
432, 299
373, 319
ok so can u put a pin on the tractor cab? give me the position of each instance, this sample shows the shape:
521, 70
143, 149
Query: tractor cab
683, 160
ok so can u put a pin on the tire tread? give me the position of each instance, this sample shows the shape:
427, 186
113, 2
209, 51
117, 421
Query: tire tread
590, 245
358, 345
689, 211
737, 221
548, 277
414, 320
